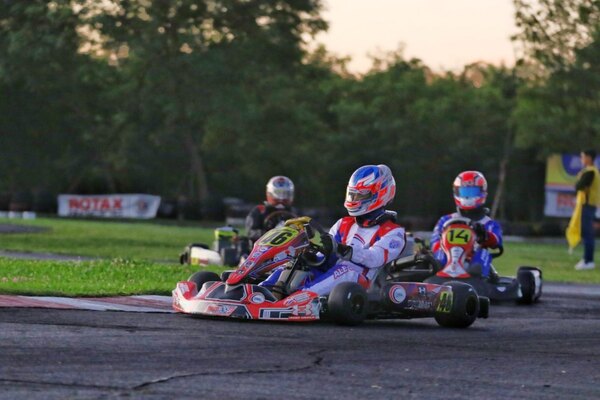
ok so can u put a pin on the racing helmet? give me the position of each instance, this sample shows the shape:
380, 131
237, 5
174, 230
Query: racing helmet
280, 190
370, 187
470, 190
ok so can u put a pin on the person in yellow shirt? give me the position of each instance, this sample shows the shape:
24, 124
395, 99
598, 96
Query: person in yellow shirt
588, 182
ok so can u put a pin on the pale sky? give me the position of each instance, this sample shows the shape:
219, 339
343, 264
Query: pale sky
445, 34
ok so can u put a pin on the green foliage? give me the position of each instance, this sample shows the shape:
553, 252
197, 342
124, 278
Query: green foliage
551, 31
199, 100
562, 112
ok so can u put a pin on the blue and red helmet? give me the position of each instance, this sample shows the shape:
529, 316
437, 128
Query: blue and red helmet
370, 187
470, 190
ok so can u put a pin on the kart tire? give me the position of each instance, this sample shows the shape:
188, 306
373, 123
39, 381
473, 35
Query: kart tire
184, 258
201, 277
465, 307
225, 274
484, 307
347, 304
527, 282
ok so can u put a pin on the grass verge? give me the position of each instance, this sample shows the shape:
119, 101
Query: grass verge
135, 240
557, 265
92, 278
130, 249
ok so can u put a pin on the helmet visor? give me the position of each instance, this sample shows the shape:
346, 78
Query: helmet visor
353, 195
470, 191
282, 193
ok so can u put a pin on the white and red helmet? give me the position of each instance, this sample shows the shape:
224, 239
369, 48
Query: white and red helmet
370, 188
470, 190
280, 190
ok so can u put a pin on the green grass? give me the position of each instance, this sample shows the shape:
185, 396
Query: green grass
131, 249
96, 278
557, 265
135, 240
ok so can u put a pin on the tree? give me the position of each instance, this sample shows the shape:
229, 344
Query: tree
560, 111
553, 30
193, 66
49, 134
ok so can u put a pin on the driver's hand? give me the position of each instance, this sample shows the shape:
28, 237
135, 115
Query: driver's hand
344, 251
481, 232
324, 242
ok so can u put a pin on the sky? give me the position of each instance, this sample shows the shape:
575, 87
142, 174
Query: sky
445, 34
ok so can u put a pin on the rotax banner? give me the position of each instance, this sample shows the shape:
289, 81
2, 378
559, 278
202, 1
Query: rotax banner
561, 175
142, 206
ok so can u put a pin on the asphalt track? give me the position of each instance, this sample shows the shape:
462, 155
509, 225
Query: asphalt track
550, 350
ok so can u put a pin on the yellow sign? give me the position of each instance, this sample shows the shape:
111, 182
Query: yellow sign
561, 171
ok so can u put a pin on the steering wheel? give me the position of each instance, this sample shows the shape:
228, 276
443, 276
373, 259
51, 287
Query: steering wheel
455, 220
276, 217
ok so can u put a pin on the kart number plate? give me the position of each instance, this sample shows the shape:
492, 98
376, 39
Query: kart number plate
458, 236
279, 237
445, 302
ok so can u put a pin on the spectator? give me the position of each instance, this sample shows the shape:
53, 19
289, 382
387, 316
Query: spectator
581, 225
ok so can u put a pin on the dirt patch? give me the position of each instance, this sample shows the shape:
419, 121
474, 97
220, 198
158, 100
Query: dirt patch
11, 228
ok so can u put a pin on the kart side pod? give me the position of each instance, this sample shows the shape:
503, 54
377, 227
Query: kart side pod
454, 304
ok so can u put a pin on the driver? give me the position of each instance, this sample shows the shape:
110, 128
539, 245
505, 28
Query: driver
362, 242
264, 217
470, 193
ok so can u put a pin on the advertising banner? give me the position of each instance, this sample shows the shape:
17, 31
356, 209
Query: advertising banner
561, 175
142, 206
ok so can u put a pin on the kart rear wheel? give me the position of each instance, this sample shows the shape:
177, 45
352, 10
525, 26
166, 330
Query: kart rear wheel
527, 282
484, 307
347, 304
465, 307
184, 258
201, 277
225, 274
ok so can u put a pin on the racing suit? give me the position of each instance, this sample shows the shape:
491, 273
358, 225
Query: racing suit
255, 221
372, 247
492, 239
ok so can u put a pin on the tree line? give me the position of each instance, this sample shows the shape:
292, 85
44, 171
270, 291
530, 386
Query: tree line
201, 100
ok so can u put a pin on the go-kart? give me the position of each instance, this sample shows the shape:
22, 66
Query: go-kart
459, 244
229, 247
237, 293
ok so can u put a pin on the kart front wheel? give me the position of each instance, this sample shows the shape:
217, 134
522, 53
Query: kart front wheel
201, 277
347, 304
464, 309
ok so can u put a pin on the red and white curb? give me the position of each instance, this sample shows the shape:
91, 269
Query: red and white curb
145, 304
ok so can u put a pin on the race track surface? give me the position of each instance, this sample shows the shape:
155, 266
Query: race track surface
550, 350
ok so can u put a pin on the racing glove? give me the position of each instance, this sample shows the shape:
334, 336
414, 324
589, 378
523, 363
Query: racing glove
481, 232
344, 251
322, 241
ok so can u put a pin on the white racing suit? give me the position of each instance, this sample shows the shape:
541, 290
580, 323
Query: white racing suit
372, 248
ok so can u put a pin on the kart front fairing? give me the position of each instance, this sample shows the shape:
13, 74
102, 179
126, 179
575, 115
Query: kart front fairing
244, 301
